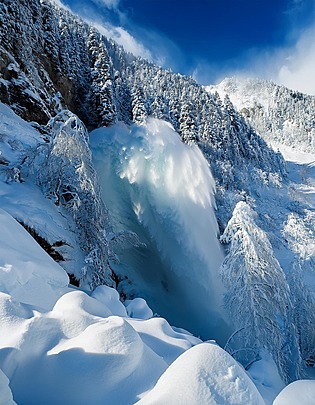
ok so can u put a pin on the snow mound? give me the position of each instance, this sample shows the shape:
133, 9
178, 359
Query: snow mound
138, 308
78, 359
25, 267
297, 393
163, 339
205, 374
109, 297
82, 349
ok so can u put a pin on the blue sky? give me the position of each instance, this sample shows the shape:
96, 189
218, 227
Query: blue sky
212, 39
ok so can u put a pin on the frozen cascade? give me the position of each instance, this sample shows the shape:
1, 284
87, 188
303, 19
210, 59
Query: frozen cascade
162, 189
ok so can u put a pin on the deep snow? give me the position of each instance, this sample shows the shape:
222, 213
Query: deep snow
197, 377
60, 345
85, 349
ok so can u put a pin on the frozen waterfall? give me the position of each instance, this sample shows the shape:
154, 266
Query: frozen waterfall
162, 189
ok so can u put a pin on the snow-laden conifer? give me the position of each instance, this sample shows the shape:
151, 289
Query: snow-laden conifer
67, 176
257, 295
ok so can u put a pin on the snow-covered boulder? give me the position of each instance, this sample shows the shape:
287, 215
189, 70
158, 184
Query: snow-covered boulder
297, 393
138, 308
204, 374
110, 297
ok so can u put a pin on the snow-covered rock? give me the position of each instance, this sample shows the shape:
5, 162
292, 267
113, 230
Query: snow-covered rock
205, 374
138, 308
300, 392
110, 297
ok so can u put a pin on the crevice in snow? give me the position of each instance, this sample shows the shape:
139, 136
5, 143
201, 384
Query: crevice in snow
49, 248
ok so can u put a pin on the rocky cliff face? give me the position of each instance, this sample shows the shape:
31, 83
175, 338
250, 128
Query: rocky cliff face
45, 62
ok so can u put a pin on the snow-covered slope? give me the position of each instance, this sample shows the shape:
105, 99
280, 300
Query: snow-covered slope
63, 346
280, 115
29, 268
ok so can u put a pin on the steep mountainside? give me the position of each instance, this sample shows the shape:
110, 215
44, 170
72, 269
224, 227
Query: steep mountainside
281, 116
52, 60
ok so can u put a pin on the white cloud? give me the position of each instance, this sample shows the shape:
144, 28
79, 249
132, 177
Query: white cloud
100, 19
293, 66
125, 39
112, 4
60, 4
298, 69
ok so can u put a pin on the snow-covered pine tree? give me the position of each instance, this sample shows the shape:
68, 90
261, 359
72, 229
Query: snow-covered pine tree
304, 313
159, 109
102, 86
258, 295
187, 123
67, 177
139, 112
122, 98
174, 111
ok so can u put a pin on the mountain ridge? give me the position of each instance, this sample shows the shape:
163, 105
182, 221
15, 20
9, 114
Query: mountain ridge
280, 115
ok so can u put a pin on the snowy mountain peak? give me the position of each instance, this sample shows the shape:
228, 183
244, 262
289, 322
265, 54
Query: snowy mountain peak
281, 116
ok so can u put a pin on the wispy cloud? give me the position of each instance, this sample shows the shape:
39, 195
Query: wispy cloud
297, 69
60, 4
112, 4
124, 38
108, 17
293, 64
115, 22
290, 62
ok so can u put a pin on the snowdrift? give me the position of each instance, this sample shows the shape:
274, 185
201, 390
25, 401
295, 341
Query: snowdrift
26, 268
205, 374
297, 393
59, 345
